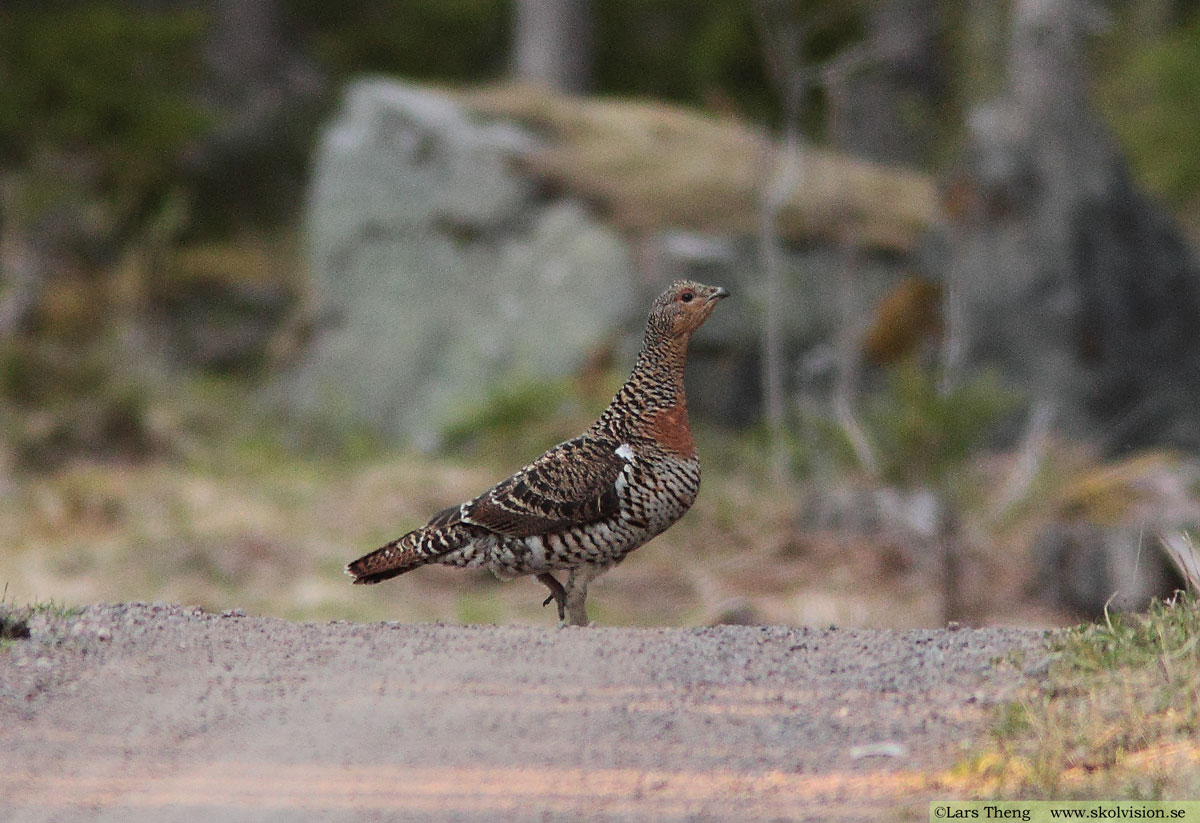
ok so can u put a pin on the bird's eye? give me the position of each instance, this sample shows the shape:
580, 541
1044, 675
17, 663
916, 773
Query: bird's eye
686, 296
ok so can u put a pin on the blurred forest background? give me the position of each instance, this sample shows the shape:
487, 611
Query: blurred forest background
280, 278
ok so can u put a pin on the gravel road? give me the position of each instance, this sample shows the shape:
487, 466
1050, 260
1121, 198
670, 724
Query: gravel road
141, 712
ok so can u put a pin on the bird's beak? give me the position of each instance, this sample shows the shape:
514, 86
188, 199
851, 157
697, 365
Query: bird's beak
720, 293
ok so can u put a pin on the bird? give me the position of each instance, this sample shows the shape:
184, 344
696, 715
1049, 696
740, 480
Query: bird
583, 505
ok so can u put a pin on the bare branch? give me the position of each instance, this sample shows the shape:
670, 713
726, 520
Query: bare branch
1029, 458
849, 356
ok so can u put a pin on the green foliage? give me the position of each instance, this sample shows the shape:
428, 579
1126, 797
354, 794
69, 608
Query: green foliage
919, 433
1012, 721
440, 40
706, 53
102, 81
922, 433
511, 406
1146, 92
699, 53
59, 402
678, 50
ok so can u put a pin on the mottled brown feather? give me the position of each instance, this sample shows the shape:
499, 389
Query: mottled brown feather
573, 483
446, 517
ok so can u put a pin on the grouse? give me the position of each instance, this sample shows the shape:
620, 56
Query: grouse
586, 503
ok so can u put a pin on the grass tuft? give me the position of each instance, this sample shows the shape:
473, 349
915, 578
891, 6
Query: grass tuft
14, 620
1116, 718
14, 623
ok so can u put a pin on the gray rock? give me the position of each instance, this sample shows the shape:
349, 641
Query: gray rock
1072, 283
438, 271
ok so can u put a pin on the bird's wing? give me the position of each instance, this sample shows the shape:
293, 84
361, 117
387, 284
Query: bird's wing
572, 484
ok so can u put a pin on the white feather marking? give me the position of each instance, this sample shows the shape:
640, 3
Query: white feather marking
537, 548
463, 514
625, 452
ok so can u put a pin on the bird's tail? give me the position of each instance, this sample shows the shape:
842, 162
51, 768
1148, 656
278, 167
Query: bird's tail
406, 553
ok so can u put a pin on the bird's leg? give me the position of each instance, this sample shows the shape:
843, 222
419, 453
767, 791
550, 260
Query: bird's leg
576, 606
577, 583
557, 593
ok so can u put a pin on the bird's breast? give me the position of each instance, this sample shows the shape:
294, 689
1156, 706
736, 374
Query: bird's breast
660, 490
670, 429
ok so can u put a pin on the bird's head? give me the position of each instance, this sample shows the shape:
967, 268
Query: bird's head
684, 306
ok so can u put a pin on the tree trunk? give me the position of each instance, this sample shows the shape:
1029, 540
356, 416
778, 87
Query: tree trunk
552, 43
881, 107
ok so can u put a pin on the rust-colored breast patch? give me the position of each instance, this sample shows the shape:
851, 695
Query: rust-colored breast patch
670, 428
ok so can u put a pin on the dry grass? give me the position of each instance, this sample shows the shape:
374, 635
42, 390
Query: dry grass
653, 166
260, 528
235, 520
1117, 717
272, 537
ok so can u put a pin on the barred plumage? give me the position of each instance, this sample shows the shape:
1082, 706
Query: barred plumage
585, 504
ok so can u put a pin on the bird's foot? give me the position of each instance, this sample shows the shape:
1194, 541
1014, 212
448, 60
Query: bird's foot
557, 594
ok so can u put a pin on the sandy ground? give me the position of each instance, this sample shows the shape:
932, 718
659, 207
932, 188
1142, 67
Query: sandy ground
158, 713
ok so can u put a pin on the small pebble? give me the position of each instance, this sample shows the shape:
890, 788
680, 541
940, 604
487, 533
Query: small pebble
888, 748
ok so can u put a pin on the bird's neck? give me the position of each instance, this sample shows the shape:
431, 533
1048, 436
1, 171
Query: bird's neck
654, 386
659, 368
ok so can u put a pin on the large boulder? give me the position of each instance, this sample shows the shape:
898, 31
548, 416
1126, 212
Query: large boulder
452, 250
440, 271
685, 189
